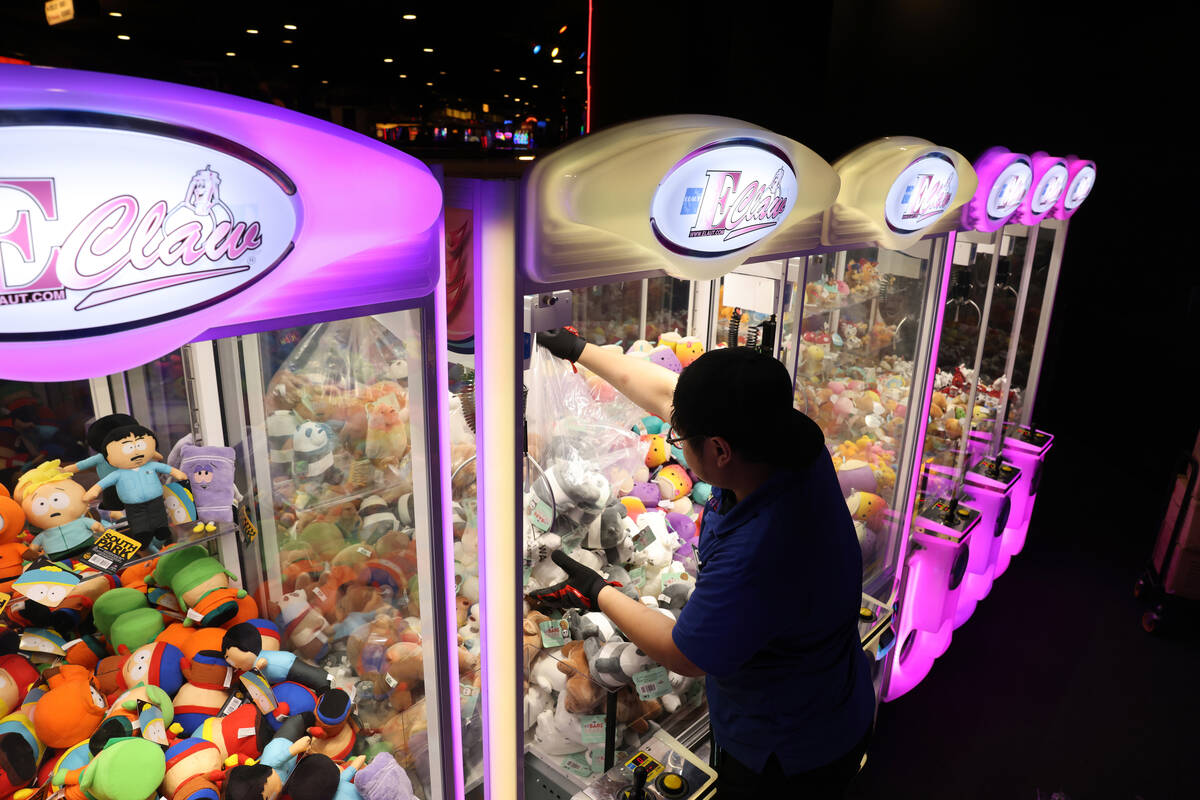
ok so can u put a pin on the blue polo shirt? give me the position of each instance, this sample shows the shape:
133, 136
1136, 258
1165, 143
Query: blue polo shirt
139, 485
773, 622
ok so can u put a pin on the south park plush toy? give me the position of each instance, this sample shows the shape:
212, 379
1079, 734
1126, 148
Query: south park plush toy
20, 753
95, 439
58, 506
210, 470
128, 768
242, 646
156, 663
209, 680
202, 586
71, 709
189, 763
130, 450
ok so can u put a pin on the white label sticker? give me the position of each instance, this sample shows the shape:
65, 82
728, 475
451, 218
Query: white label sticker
195, 615
246, 733
390, 681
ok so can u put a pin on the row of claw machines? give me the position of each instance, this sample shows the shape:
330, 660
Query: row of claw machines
327, 353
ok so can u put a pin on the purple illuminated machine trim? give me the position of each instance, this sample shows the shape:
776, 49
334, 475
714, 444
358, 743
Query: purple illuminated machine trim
890, 692
1076, 192
365, 213
1001, 170
1049, 183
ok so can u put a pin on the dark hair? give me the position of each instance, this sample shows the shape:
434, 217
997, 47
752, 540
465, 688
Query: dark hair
243, 636
124, 432
246, 782
315, 777
745, 397
101, 427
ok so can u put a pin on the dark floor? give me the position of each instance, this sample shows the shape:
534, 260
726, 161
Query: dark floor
1052, 685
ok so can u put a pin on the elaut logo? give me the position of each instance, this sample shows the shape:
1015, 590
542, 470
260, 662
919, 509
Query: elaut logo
135, 232
723, 198
922, 193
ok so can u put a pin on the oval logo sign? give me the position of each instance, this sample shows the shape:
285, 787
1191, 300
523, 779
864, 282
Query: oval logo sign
1080, 188
1049, 189
1009, 190
723, 198
105, 229
922, 193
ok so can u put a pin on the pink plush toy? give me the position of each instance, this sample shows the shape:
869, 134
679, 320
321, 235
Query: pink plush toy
673, 482
658, 452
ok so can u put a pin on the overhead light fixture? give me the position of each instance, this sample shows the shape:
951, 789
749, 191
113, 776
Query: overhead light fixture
289, 27
506, 96
114, 13
231, 53
517, 99
554, 53
124, 37
427, 49
537, 48
558, 61
578, 72
403, 76
387, 61
295, 66
410, 16
252, 30
535, 86
526, 158
497, 69
324, 81
287, 41
429, 83
443, 72
563, 29
521, 78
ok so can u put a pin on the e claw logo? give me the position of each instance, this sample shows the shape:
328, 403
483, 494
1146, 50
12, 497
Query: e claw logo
103, 254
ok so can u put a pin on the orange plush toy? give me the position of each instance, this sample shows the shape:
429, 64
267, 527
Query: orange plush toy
12, 552
71, 709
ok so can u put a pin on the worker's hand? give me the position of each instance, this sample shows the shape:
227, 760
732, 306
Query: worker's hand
563, 343
581, 589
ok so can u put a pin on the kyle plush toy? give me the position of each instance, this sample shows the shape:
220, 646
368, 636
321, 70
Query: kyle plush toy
57, 505
243, 649
130, 450
127, 768
202, 586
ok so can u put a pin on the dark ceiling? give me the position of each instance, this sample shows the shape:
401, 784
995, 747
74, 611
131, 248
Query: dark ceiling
481, 52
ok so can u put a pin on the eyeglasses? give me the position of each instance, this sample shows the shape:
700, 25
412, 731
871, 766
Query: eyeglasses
677, 441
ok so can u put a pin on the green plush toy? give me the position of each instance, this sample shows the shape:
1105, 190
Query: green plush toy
172, 561
135, 628
112, 605
126, 769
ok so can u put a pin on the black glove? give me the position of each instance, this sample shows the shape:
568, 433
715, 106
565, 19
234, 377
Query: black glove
563, 343
581, 589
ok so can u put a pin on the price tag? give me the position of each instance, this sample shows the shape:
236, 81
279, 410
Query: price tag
652, 683
232, 704
592, 726
525, 576
554, 632
643, 539
573, 764
541, 516
364, 551
675, 573
246, 524
111, 551
468, 699
5, 599
390, 681
638, 576
595, 757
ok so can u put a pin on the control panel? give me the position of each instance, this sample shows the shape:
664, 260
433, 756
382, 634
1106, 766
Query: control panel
663, 769
997, 470
946, 519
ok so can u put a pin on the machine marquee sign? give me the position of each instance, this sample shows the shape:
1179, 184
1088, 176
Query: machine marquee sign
922, 193
145, 227
1009, 190
1080, 187
723, 197
1049, 189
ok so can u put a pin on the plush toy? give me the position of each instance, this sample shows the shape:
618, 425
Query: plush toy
376, 518
58, 506
313, 445
673, 482
614, 663
303, 627
583, 696
854, 476
387, 431
180, 504
688, 349
665, 357
209, 680
126, 769
158, 664
383, 779
333, 730
202, 587
211, 471
48, 584
20, 753
187, 765
130, 450
242, 647
867, 507
71, 709
657, 454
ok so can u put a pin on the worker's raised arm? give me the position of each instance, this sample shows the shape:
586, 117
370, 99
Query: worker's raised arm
648, 385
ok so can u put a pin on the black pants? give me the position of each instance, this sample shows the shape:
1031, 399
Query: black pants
736, 781
148, 521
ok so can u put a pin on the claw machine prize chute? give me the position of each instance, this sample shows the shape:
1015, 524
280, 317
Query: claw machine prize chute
671, 199
284, 275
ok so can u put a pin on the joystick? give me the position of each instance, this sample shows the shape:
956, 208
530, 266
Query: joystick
948, 517
997, 465
638, 790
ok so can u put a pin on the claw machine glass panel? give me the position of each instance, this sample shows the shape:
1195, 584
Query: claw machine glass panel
201, 267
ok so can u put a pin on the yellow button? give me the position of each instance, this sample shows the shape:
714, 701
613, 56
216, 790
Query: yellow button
672, 783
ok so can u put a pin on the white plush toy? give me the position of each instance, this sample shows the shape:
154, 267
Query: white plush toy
537, 700
559, 732
545, 672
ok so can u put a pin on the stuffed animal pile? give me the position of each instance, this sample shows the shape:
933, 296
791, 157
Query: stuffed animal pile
629, 509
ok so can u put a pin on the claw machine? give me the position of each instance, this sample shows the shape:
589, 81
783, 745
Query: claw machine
265, 291
605, 233
849, 304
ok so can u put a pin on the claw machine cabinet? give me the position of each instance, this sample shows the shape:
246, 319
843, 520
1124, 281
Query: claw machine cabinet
270, 286
588, 237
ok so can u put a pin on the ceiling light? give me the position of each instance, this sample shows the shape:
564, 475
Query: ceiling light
558, 61
537, 48
124, 37
506, 95
387, 61
429, 83
289, 27
535, 86
287, 41
443, 72
554, 53
427, 49
231, 53
563, 29
578, 72
114, 13
497, 69
517, 99
410, 16
403, 76
295, 66
526, 158
324, 81
252, 30
521, 78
